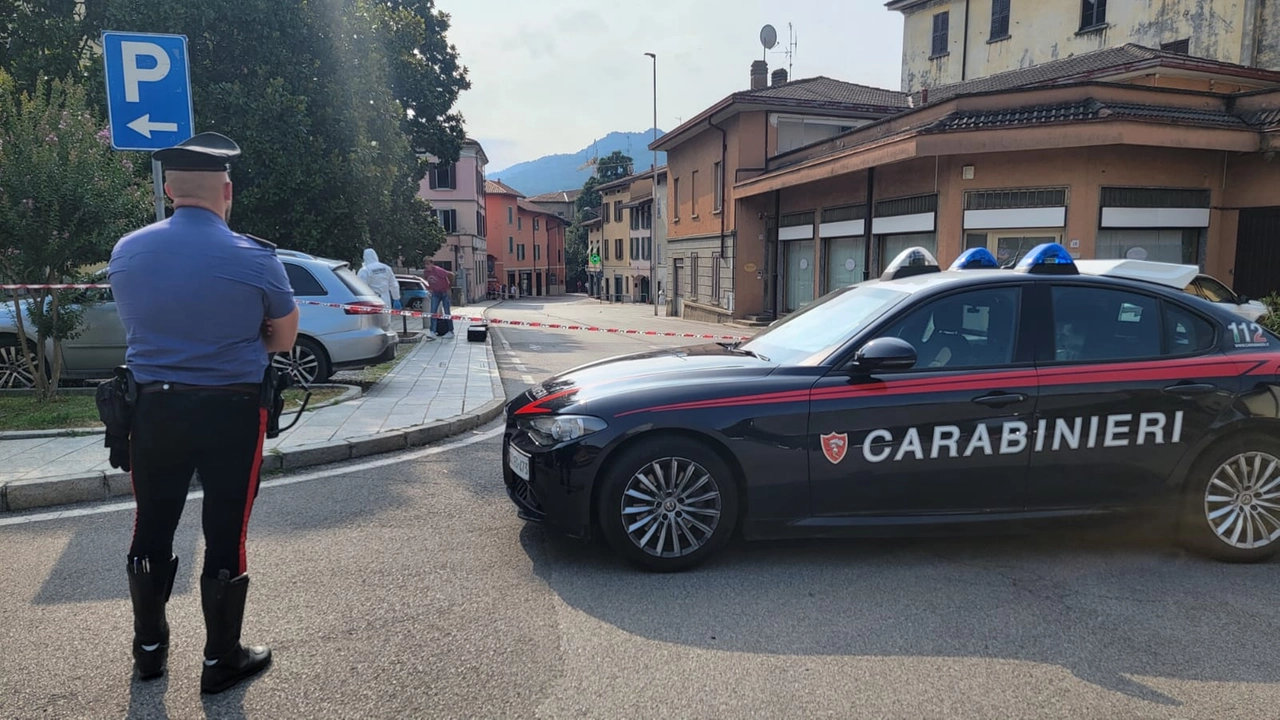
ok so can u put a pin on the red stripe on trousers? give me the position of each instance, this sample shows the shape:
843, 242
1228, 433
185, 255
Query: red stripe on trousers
253, 487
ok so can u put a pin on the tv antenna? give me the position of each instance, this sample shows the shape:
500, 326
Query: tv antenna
769, 39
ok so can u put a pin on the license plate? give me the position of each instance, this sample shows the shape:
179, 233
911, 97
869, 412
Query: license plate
519, 463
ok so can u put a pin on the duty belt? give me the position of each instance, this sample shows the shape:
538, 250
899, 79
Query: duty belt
155, 387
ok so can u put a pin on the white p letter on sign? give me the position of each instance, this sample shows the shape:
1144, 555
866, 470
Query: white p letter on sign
134, 74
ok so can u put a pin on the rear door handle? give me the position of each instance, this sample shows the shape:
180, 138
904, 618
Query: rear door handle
1191, 389
1000, 399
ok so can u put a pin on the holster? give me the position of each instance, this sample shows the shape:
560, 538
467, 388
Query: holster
271, 397
116, 400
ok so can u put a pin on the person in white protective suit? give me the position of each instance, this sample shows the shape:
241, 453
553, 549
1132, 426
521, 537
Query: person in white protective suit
381, 278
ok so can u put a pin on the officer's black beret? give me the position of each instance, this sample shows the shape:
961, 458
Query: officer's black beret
206, 152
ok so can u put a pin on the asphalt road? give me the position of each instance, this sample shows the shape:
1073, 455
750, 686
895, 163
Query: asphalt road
406, 587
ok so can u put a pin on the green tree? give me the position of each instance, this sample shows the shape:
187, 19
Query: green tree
614, 167
332, 103
65, 198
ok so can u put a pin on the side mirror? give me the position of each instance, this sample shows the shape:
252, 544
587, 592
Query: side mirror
886, 353
1243, 299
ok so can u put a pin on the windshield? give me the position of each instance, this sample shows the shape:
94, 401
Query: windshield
814, 332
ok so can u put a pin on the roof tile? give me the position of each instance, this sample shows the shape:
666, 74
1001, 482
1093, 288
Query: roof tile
825, 89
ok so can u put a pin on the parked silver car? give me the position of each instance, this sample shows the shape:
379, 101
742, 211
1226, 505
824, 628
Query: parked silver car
329, 339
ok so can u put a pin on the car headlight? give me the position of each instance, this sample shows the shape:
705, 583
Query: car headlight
555, 429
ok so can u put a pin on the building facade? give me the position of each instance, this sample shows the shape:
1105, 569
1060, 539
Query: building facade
561, 203
725, 144
526, 244
952, 41
628, 266
1127, 152
456, 191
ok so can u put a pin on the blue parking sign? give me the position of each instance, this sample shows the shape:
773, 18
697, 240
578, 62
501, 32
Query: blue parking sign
148, 90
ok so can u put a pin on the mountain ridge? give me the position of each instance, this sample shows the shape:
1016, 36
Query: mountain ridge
551, 173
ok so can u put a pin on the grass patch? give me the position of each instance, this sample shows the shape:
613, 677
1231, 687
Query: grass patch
81, 411
366, 378
293, 398
68, 411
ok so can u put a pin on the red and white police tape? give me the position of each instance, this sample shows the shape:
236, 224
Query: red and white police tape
383, 310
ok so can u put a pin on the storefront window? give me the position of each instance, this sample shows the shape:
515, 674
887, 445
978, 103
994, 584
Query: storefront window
892, 245
799, 269
1170, 245
845, 258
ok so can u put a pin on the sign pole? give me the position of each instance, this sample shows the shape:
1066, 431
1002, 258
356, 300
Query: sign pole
157, 181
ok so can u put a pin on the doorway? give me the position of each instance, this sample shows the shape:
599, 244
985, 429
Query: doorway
1257, 272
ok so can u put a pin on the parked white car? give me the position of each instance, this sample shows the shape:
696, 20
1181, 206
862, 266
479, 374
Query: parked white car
1185, 277
329, 339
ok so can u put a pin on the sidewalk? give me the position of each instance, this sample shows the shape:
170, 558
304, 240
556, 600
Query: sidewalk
441, 388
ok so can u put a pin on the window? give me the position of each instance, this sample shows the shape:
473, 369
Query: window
648, 248
481, 230
444, 177
999, 19
1182, 47
617, 248
537, 251
510, 215
511, 244
617, 211
693, 193
1212, 290
520, 251
1171, 245
303, 282
941, 27
1095, 325
977, 328
604, 212
715, 275
536, 224
693, 275
718, 180
519, 222
448, 220
675, 200
635, 248
1093, 13
1186, 333
604, 249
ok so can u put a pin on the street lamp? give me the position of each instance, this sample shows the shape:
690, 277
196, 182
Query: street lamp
653, 245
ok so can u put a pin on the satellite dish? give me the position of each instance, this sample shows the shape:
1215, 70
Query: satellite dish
768, 37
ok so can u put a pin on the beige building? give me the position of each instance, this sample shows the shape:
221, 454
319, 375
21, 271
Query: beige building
951, 41
626, 239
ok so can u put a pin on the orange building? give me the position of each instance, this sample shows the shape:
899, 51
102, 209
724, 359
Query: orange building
526, 243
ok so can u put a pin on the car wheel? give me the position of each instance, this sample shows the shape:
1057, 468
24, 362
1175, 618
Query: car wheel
15, 372
307, 361
668, 504
1231, 501
415, 304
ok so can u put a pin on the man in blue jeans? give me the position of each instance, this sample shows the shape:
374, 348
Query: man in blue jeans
439, 282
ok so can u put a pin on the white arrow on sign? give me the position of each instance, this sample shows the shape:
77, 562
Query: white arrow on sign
143, 126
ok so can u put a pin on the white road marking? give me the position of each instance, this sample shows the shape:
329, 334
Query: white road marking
528, 379
275, 482
521, 368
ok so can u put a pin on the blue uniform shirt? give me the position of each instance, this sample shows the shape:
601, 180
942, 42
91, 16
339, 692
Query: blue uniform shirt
192, 295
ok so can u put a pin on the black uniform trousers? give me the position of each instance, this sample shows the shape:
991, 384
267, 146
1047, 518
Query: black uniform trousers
216, 432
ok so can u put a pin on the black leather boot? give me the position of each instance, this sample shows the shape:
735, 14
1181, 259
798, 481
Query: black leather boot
226, 661
150, 583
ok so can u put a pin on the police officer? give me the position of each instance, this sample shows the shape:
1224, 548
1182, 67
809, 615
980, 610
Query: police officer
202, 306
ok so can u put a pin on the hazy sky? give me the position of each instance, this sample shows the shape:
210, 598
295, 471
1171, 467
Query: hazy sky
549, 76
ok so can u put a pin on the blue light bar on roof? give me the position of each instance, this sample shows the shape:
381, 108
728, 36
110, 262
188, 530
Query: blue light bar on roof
974, 259
1048, 259
912, 261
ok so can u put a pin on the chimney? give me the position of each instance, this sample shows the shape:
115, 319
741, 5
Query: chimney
759, 75
780, 76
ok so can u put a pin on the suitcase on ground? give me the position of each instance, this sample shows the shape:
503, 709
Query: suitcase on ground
444, 326
477, 333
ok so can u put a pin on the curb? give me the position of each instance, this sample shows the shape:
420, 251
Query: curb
18, 495
350, 393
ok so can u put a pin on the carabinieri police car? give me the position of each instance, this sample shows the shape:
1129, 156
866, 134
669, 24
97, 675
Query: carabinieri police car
923, 398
